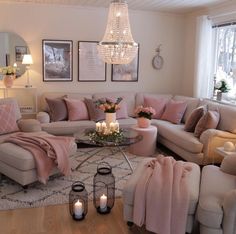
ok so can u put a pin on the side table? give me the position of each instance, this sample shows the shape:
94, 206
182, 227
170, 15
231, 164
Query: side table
223, 153
147, 146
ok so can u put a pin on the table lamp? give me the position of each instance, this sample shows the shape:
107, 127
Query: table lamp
27, 60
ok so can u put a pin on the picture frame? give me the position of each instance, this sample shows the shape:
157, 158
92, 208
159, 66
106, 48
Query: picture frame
91, 68
57, 60
19, 52
126, 72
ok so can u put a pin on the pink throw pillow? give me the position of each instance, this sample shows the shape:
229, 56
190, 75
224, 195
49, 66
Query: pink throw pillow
158, 104
7, 119
77, 109
174, 111
208, 121
122, 113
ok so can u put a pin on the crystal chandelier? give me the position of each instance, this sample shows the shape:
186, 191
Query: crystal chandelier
118, 45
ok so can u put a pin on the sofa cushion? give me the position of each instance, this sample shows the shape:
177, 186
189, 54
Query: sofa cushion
158, 104
128, 97
193, 118
177, 135
57, 109
209, 120
77, 109
122, 113
95, 114
29, 125
67, 127
228, 165
8, 119
192, 104
214, 185
12, 101
174, 111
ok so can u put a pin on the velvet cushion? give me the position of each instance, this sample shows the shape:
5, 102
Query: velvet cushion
8, 119
209, 120
194, 117
158, 104
174, 111
77, 109
122, 113
228, 165
57, 109
95, 113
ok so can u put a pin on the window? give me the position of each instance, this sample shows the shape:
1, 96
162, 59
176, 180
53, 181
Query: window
225, 64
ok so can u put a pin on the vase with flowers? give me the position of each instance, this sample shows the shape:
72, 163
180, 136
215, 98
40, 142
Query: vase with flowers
9, 73
144, 116
221, 87
109, 107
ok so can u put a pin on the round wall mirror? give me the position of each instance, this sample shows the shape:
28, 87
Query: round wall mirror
12, 49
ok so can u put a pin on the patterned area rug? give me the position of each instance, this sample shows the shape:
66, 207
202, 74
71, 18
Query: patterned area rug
56, 191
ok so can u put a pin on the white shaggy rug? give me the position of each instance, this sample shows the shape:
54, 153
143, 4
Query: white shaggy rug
56, 191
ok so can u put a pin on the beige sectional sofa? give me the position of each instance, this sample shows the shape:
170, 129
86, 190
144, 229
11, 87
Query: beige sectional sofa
185, 144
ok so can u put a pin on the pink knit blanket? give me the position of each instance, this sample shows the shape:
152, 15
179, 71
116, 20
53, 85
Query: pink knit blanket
162, 197
48, 151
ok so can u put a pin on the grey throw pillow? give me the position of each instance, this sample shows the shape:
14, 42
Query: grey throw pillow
95, 113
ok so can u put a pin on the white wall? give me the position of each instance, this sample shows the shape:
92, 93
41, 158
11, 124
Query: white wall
35, 22
222, 13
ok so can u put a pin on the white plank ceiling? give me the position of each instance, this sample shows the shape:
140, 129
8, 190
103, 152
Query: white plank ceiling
174, 6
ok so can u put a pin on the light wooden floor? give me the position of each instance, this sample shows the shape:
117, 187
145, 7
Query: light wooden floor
57, 220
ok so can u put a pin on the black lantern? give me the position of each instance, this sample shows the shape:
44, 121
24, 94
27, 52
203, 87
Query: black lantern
78, 201
104, 189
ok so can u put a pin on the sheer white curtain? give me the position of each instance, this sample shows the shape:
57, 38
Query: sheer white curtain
203, 66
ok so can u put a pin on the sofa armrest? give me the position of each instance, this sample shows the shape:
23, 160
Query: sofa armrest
43, 117
29, 125
211, 139
229, 207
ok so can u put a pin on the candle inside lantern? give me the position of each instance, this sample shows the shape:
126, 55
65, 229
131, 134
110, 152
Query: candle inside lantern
98, 127
78, 209
103, 202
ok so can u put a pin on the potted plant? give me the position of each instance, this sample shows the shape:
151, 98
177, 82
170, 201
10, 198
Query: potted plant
221, 87
9, 73
109, 107
144, 116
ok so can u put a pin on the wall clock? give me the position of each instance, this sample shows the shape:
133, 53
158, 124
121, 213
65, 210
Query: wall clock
158, 61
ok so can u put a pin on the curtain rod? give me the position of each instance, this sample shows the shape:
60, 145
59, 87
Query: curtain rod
224, 24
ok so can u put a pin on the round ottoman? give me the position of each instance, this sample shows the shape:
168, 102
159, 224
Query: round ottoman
147, 146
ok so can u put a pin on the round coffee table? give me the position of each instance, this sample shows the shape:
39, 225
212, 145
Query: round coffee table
129, 137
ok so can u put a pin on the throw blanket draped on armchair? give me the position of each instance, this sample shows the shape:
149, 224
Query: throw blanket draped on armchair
161, 196
48, 151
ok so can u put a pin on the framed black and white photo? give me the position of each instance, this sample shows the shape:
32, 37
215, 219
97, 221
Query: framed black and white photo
126, 72
20, 51
91, 66
57, 60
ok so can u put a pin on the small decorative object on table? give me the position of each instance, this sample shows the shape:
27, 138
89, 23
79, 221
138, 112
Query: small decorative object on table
78, 201
109, 107
229, 146
221, 87
9, 75
144, 115
104, 189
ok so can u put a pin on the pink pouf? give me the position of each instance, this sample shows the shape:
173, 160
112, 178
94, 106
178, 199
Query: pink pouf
147, 146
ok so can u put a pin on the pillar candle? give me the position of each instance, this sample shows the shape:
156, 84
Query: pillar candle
78, 209
103, 202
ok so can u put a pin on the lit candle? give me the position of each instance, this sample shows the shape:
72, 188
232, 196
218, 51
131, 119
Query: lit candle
78, 209
117, 126
112, 126
98, 127
103, 126
103, 202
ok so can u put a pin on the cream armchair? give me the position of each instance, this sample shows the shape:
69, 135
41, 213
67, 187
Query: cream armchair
216, 210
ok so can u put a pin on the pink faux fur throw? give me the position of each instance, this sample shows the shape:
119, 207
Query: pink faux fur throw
162, 197
48, 151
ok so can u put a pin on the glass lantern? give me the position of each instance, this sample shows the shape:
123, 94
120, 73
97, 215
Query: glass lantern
78, 201
104, 189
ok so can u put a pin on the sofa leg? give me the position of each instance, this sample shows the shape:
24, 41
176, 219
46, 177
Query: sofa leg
130, 224
25, 187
